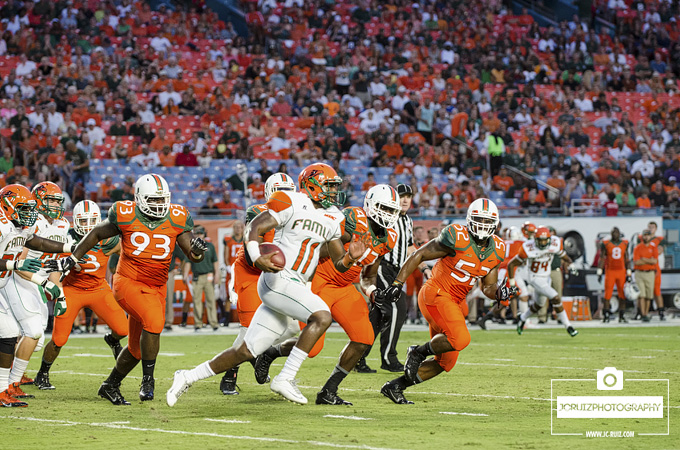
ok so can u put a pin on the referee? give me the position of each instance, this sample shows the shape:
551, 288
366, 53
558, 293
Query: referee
388, 318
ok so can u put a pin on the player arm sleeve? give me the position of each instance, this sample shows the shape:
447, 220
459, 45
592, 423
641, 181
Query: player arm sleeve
447, 238
189, 223
113, 214
251, 213
280, 207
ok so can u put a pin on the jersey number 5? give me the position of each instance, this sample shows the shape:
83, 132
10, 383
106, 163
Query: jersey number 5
467, 277
141, 241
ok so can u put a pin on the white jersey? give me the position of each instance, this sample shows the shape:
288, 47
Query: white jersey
55, 231
301, 230
539, 261
12, 240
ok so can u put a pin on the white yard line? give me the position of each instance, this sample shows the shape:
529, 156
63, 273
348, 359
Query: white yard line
226, 420
462, 414
195, 433
333, 416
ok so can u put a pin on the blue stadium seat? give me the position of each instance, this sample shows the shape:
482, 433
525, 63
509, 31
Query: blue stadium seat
511, 202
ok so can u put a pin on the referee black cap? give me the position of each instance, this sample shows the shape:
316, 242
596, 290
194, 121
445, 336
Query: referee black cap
404, 189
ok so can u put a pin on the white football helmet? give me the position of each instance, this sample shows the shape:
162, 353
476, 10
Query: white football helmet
86, 215
382, 205
152, 187
631, 291
482, 218
515, 234
278, 182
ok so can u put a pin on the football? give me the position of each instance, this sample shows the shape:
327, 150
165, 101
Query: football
278, 258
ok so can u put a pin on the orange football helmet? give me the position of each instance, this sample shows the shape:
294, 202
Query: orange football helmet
46, 194
528, 230
542, 237
18, 204
322, 184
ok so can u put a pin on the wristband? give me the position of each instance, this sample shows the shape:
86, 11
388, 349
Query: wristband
348, 259
253, 248
599, 271
68, 247
370, 290
10, 265
38, 279
511, 282
629, 272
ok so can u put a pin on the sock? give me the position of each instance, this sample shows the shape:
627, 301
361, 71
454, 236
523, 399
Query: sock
274, 351
564, 319
621, 311
662, 310
18, 370
335, 379
425, 349
184, 317
231, 373
403, 383
148, 366
293, 363
523, 307
525, 315
45, 366
200, 372
115, 377
4, 379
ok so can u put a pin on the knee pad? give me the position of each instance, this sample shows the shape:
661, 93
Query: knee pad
31, 327
41, 343
7, 345
459, 340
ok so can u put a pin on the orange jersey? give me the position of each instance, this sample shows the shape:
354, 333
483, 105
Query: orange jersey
357, 224
241, 259
512, 249
92, 273
233, 246
457, 273
615, 255
147, 244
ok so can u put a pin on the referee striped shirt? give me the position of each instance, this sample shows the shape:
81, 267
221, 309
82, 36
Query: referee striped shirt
404, 229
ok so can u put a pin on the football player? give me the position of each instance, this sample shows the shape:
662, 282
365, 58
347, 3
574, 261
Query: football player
27, 300
18, 215
660, 243
467, 254
374, 224
148, 228
303, 223
85, 287
614, 265
537, 254
232, 245
245, 277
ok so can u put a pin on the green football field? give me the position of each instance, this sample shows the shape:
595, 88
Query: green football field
498, 396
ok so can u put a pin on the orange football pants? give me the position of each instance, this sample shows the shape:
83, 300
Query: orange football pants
348, 309
614, 278
657, 282
145, 306
445, 315
100, 300
245, 285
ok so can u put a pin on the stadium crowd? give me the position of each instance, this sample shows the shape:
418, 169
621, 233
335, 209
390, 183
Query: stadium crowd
453, 97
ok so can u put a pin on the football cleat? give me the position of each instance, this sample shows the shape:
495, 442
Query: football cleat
395, 367
25, 380
228, 384
42, 380
572, 331
394, 393
326, 397
15, 391
606, 317
111, 392
262, 364
180, 384
622, 319
7, 401
520, 326
362, 367
146, 389
413, 361
481, 322
114, 344
288, 389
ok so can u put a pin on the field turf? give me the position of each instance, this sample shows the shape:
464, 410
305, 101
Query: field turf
500, 390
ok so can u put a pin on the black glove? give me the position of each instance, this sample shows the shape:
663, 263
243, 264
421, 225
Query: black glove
198, 246
504, 293
60, 265
378, 296
599, 278
393, 292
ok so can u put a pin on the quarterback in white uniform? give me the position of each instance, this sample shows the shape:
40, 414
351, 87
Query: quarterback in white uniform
303, 222
18, 216
538, 254
27, 298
